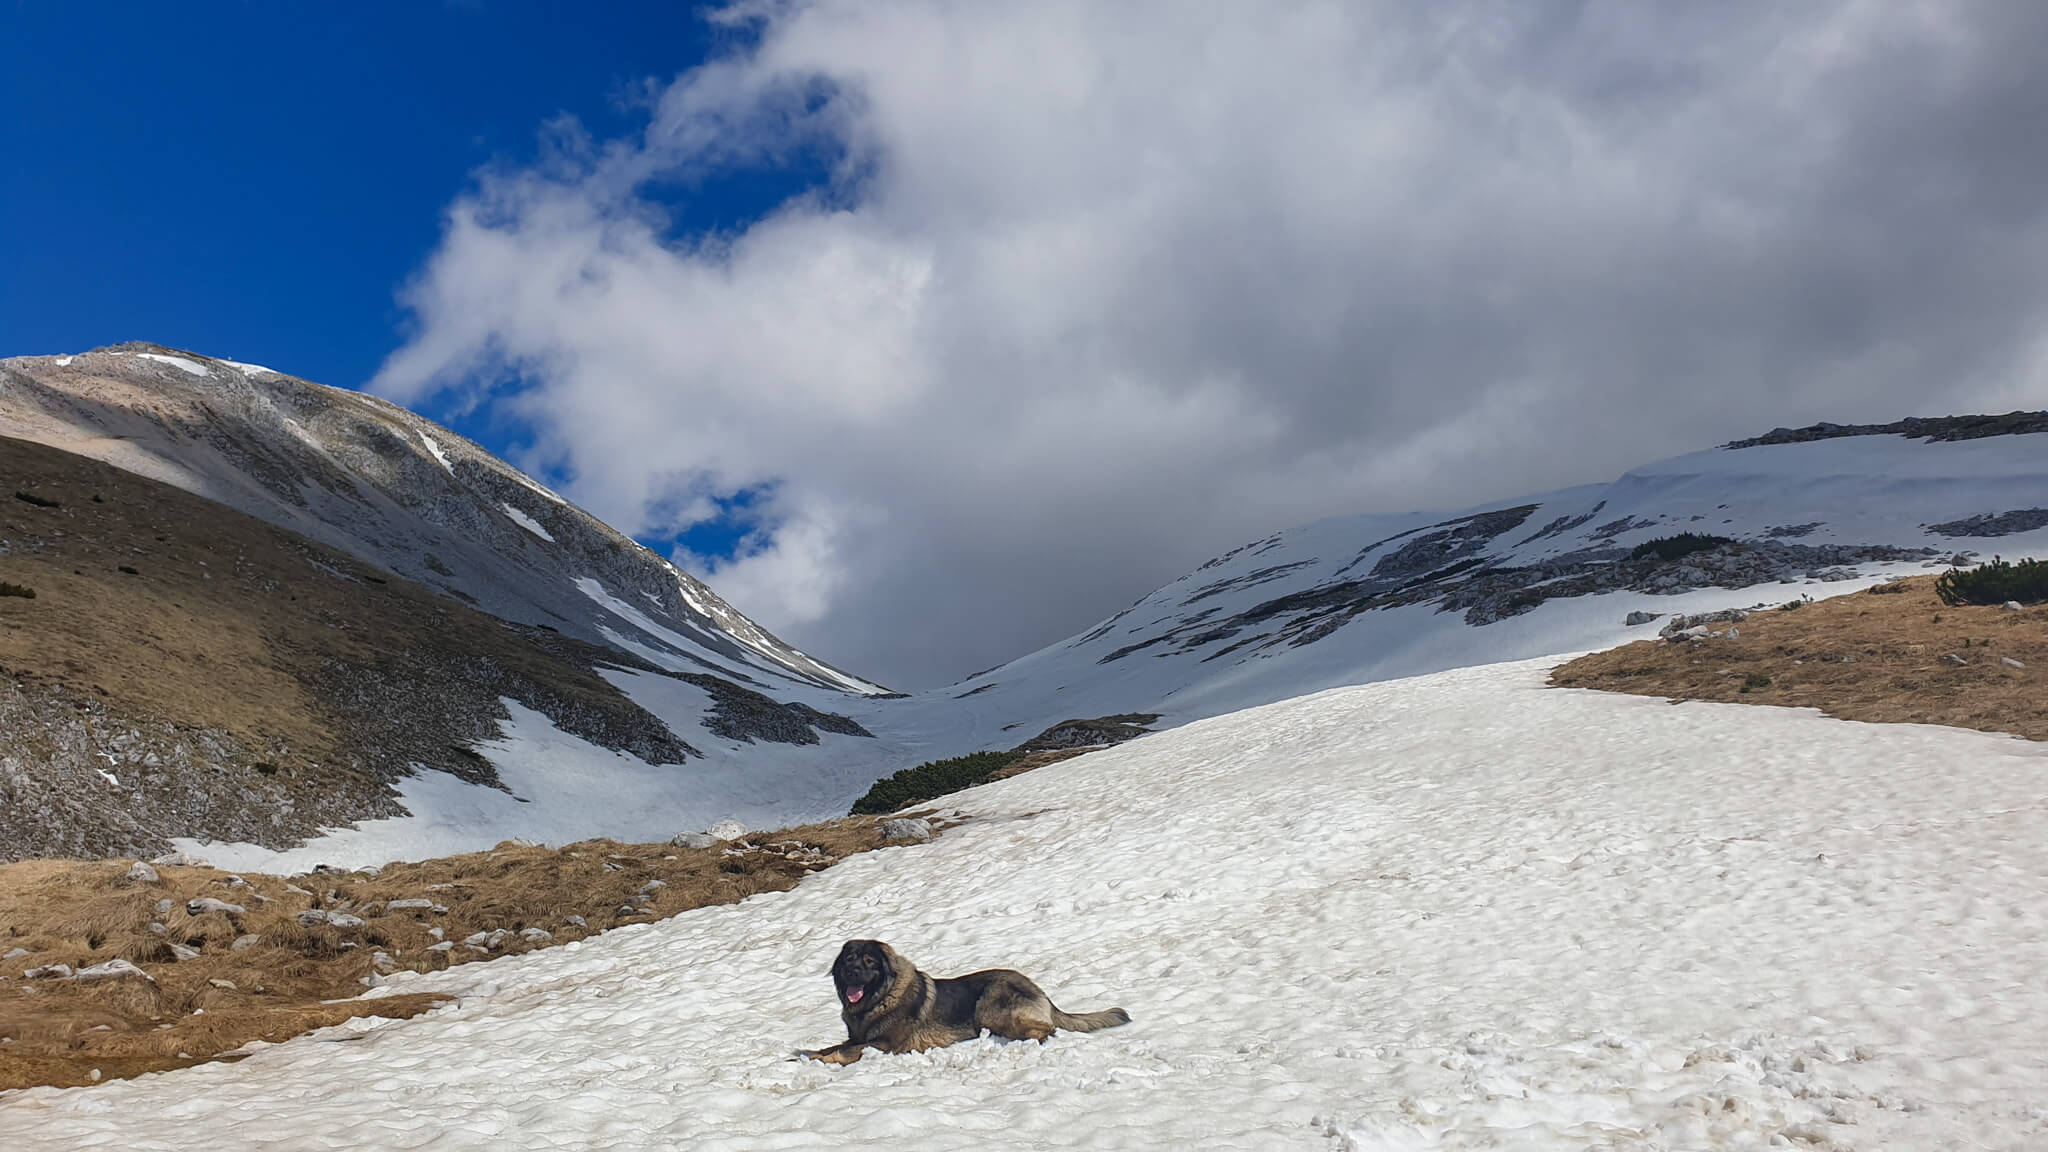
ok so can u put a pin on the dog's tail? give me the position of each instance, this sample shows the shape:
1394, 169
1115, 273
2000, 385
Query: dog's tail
1090, 1021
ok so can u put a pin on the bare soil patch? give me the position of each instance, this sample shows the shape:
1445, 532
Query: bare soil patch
288, 955
1891, 654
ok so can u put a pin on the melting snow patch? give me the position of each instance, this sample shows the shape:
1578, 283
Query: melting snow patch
527, 522
251, 369
179, 362
63, 360
435, 448
1460, 911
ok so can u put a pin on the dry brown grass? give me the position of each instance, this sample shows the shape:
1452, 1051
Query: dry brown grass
295, 978
1880, 655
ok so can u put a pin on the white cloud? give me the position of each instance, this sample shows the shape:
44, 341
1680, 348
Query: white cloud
1099, 289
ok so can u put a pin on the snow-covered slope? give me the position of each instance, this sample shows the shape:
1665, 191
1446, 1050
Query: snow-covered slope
1345, 601
394, 489
1461, 911
1354, 600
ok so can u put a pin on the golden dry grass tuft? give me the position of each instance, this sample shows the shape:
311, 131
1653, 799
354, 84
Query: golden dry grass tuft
1890, 654
288, 976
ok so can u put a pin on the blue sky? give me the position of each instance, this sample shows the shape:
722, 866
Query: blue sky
257, 181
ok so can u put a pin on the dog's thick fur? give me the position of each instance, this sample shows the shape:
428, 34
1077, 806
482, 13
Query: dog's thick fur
888, 1004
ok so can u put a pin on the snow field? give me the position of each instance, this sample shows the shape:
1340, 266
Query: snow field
1458, 911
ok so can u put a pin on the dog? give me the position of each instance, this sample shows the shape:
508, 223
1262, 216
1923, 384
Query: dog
888, 1004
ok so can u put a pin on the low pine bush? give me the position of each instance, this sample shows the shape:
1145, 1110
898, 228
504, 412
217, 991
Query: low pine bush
1673, 547
1994, 583
932, 779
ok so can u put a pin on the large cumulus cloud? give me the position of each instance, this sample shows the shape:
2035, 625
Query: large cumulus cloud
1095, 290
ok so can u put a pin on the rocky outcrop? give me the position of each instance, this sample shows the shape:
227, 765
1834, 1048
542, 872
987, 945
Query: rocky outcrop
745, 715
1091, 733
2004, 524
1927, 428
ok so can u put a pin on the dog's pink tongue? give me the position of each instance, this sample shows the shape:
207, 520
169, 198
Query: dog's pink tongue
854, 994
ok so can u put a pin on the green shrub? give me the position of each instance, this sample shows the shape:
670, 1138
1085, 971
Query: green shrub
932, 779
1994, 583
21, 590
1755, 680
1673, 547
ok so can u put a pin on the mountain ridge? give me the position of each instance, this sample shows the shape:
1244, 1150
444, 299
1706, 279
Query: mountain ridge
390, 487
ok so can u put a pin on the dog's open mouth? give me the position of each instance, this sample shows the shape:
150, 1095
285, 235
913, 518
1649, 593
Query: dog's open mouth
854, 994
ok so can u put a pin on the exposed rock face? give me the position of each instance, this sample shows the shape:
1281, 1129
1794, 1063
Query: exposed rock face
1090, 733
2018, 520
745, 715
1930, 428
1487, 590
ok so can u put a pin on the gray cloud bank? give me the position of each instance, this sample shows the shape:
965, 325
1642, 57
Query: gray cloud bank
1098, 290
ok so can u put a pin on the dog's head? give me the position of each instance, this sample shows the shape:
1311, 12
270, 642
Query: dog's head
863, 973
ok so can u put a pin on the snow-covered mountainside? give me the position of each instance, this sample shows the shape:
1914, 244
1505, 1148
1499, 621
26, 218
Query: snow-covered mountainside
396, 490
1810, 512
1462, 911
764, 733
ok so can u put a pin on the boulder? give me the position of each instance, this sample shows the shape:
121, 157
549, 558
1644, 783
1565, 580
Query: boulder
140, 873
907, 829
695, 840
205, 904
1635, 618
727, 830
112, 970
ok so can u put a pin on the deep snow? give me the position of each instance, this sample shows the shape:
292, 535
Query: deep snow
1457, 911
